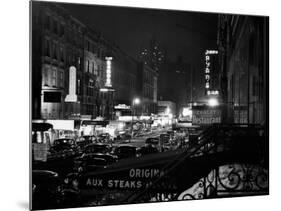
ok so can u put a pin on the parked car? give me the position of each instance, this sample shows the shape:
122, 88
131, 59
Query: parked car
91, 163
153, 141
80, 161
148, 149
104, 138
98, 148
126, 151
63, 148
46, 189
83, 141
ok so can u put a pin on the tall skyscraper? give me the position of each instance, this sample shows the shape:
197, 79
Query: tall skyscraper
153, 55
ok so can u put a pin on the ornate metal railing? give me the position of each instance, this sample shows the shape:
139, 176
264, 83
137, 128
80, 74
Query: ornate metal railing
233, 164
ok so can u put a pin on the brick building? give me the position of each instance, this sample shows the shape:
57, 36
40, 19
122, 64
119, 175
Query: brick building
243, 49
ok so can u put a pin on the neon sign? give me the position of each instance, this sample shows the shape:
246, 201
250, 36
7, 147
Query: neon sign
208, 68
108, 72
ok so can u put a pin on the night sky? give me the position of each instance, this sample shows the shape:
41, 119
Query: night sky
179, 33
185, 34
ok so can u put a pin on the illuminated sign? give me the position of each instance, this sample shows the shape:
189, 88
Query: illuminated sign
122, 106
212, 92
72, 97
205, 116
106, 90
208, 68
108, 72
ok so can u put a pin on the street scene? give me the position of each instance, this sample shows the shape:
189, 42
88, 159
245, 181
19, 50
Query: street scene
134, 105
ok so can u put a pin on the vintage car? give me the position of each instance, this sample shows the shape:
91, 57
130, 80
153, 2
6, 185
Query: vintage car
148, 149
126, 151
84, 141
81, 162
63, 148
97, 148
46, 189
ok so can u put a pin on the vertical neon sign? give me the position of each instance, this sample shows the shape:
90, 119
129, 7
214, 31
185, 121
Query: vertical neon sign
108, 72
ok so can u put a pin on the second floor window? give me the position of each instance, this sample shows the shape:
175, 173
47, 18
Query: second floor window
47, 47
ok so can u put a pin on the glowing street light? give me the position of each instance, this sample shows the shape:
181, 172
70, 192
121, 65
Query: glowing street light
213, 102
136, 101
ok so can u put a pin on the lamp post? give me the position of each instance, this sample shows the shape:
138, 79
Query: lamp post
136, 101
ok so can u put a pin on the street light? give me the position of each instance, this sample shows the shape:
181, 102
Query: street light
136, 101
213, 102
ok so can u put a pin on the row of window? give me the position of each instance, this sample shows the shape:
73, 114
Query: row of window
54, 25
54, 50
92, 68
148, 91
53, 77
148, 77
89, 46
125, 79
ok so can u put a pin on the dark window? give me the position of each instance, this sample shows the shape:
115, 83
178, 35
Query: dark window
55, 23
55, 55
88, 66
61, 54
61, 30
78, 87
47, 48
52, 97
54, 77
61, 79
48, 22
93, 68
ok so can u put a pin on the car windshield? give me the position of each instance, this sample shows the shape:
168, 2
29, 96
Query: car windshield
61, 146
97, 148
63, 141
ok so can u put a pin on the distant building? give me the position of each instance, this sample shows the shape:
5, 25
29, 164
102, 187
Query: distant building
124, 77
244, 68
166, 107
176, 84
153, 55
147, 89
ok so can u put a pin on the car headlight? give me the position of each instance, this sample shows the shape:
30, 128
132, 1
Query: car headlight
75, 183
66, 180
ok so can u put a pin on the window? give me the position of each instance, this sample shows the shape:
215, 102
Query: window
54, 73
78, 87
55, 24
94, 70
61, 30
88, 45
55, 55
46, 77
47, 48
88, 66
61, 79
48, 22
61, 54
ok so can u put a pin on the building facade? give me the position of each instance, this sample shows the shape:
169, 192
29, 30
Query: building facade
56, 45
153, 55
243, 48
104, 75
147, 89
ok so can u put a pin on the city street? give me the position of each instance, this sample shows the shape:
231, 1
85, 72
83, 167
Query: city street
135, 105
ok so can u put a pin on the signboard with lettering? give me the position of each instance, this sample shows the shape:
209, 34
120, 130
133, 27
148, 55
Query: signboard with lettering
134, 178
134, 174
205, 115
